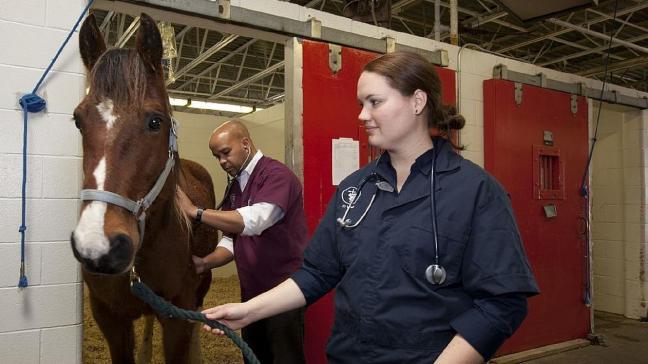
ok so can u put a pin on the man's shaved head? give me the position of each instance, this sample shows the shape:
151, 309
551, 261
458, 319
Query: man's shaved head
232, 145
235, 128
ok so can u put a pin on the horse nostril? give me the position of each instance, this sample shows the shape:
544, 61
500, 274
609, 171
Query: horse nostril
121, 252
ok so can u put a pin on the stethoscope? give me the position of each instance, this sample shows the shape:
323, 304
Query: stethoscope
434, 273
230, 180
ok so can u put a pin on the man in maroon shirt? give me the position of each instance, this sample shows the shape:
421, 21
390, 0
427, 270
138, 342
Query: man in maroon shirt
264, 230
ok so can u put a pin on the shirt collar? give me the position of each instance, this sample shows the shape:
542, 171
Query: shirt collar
250, 167
446, 160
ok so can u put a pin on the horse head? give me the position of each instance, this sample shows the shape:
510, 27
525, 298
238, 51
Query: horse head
128, 143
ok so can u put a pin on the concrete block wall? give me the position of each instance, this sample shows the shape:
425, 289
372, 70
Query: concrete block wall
267, 130
618, 210
636, 238
41, 323
609, 211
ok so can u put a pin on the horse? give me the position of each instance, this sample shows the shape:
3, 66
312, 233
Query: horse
129, 219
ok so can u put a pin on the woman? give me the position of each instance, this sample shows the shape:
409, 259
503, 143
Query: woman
419, 277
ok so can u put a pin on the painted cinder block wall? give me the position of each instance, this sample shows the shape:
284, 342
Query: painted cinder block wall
41, 323
618, 210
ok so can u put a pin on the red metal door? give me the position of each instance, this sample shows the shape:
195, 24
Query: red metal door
330, 111
543, 177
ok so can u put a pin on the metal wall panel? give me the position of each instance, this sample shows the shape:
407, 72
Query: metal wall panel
514, 140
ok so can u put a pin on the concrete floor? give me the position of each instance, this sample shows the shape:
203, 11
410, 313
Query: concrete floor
627, 343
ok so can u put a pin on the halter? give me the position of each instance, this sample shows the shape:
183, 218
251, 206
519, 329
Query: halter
138, 208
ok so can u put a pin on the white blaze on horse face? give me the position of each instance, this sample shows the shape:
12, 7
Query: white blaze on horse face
90, 239
105, 109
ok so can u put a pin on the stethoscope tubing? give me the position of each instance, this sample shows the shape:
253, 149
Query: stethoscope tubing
345, 223
230, 181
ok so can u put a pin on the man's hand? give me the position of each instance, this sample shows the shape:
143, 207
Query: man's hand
185, 203
199, 263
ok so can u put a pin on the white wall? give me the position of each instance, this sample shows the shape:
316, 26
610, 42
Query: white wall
267, 131
618, 210
41, 323
193, 143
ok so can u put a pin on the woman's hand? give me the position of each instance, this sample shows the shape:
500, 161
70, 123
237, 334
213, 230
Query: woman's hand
233, 315
185, 203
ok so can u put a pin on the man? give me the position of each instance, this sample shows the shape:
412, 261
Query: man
264, 230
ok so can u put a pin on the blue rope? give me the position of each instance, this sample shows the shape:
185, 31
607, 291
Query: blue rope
34, 103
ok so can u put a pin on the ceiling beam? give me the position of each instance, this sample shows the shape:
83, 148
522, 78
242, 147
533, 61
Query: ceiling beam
477, 14
563, 31
600, 49
203, 56
220, 62
483, 19
618, 41
132, 28
250, 79
609, 17
613, 67
399, 5
106, 21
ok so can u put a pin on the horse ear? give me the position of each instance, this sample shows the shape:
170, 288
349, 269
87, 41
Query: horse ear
91, 42
149, 44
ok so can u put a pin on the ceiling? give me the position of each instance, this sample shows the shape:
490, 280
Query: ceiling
235, 69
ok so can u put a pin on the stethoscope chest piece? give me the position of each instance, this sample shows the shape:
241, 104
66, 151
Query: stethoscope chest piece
435, 274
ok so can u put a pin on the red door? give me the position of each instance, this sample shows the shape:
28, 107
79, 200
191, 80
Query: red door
330, 111
537, 148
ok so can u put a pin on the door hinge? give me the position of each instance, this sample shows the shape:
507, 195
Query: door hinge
574, 104
518, 93
335, 58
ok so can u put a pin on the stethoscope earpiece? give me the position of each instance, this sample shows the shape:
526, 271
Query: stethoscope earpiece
435, 274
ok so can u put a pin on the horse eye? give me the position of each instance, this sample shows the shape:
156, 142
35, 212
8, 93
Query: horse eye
154, 123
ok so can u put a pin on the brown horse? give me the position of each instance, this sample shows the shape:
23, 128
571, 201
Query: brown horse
128, 152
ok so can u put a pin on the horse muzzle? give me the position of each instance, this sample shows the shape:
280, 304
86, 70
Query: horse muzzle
117, 260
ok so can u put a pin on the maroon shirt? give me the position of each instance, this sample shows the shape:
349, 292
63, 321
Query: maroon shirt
263, 261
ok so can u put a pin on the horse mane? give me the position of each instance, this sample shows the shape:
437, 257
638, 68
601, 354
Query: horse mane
120, 75
183, 218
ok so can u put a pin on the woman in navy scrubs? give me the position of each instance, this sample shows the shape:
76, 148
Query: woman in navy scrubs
420, 277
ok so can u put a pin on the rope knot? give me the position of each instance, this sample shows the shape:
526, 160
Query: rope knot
32, 103
22, 283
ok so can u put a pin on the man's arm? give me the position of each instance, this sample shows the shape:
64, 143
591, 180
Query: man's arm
223, 254
228, 221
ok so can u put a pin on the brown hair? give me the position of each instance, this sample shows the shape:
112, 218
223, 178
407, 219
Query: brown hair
408, 72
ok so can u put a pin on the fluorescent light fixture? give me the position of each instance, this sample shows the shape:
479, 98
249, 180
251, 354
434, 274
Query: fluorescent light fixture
178, 102
207, 105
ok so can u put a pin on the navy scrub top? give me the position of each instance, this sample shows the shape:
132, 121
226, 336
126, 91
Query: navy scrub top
385, 309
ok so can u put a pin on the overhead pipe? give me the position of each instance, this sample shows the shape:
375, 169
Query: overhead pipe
437, 20
454, 22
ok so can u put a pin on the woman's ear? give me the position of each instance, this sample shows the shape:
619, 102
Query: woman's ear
420, 100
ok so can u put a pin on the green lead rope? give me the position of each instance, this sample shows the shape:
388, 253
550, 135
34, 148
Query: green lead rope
166, 309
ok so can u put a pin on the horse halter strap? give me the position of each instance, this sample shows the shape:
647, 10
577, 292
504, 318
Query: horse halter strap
138, 208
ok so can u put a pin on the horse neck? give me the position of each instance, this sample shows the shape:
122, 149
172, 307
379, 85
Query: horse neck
166, 231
